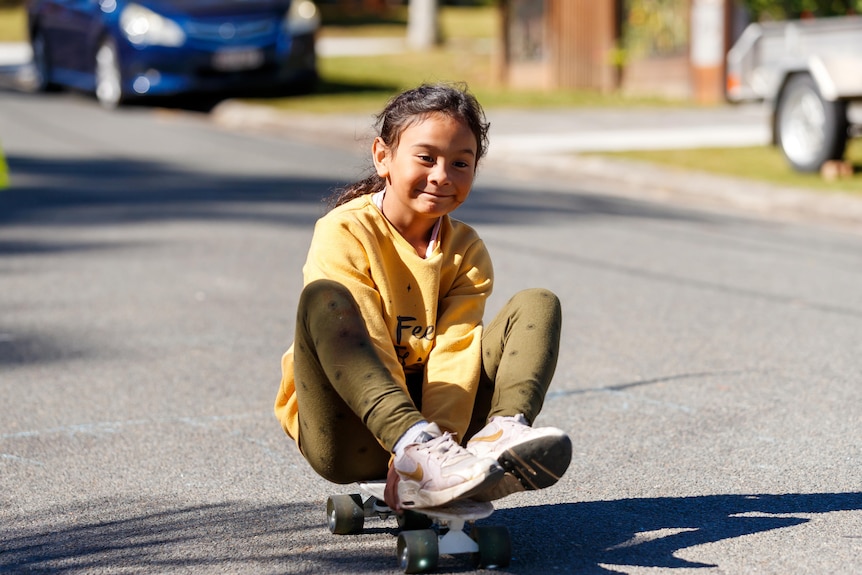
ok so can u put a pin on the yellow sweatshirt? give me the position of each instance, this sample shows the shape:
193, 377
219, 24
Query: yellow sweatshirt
422, 314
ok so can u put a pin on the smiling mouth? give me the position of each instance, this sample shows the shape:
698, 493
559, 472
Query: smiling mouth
435, 195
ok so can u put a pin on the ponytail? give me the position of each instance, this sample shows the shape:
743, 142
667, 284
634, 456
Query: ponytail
370, 185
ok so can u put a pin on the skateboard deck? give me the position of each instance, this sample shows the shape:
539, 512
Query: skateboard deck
465, 509
426, 533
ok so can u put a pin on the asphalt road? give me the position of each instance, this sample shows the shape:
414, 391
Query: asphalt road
149, 271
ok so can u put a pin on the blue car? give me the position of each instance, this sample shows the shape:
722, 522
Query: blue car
122, 49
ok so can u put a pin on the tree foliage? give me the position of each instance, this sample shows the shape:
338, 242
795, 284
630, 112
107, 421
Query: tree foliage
791, 9
655, 27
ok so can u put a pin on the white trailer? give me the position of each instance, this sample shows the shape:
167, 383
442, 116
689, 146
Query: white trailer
810, 73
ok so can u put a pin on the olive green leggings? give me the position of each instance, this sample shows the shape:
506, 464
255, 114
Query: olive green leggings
352, 411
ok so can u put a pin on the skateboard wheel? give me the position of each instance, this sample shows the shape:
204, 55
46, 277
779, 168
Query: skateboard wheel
418, 550
495, 546
410, 520
345, 514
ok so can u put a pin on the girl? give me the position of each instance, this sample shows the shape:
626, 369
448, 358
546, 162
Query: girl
391, 367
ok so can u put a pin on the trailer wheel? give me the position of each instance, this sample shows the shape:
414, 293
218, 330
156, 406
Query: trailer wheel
810, 129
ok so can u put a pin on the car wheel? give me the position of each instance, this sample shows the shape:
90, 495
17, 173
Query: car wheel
41, 81
109, 87
811, 130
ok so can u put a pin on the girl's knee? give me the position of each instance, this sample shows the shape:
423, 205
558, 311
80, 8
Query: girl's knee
326, 293
324, 300
538, 299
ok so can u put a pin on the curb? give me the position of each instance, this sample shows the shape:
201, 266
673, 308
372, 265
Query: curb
611, 176
646, 181
342, 130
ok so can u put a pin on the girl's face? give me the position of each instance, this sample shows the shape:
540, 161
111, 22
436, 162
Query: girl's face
431, 171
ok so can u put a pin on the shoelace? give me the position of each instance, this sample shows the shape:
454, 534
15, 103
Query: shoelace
440, 445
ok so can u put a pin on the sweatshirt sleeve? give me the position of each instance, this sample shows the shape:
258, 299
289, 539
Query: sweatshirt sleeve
452, 373
336, 253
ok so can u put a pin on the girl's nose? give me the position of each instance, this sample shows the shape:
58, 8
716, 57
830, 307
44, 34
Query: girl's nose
439, 174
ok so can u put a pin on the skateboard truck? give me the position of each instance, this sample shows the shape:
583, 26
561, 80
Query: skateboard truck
426, 534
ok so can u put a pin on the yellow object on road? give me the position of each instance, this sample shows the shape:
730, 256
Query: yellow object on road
4, 171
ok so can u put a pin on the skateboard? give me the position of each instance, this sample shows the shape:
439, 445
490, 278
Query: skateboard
426, 533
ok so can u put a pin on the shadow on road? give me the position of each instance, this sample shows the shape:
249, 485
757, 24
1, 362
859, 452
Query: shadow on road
242, 537
650, 532
106, 191
103, 192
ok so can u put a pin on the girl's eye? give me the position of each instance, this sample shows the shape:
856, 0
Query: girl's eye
462, 165
425, 158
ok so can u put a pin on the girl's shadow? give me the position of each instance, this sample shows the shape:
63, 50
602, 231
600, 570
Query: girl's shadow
649, 532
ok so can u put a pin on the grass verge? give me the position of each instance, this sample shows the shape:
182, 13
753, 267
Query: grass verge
13, 25
761, 163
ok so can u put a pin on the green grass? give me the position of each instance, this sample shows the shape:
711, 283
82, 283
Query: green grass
762, 163
13, 25
470, 22
455, 22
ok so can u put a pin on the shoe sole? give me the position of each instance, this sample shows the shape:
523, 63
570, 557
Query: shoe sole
417, 498
529, 466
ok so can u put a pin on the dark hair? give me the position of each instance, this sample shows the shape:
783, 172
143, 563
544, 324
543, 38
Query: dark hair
407, 109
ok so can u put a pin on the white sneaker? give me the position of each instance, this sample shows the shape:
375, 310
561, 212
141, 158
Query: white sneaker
534, 458
436, 470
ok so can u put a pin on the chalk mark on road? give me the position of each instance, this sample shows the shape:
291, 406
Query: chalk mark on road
623, 387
